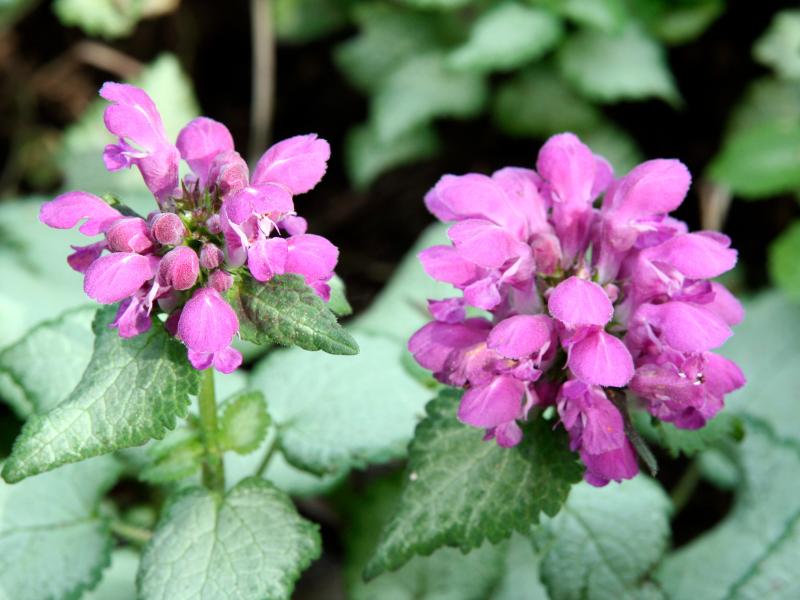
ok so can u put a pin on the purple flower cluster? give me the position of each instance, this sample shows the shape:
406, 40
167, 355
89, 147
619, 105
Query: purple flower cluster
580, 298
216, 224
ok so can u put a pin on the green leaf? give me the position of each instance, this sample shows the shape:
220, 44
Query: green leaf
388, 37
421, 89
681, 22
12, 11
179, 455
81, 155
609, 16
446, 575
605, 541
616, 145
106, 18
53, 543
119, 580
61, 348
244, 422
784, 266
753, 552
367, 156
303, 21
507, 36
779, 47
400, 308
133, 390
461, 490
338, 303
624, 66
440, 4
251, 544
760, 162
334, 414
286, 311
769, 102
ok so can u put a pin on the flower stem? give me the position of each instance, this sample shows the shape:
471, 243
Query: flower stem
263, 76
262, 466
130, 533
684, 489
213, 467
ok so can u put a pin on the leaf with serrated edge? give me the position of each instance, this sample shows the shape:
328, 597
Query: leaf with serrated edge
53, 544
68, 337
607, 539
132, 391
251, 544
244, 422
461, 490
286, 311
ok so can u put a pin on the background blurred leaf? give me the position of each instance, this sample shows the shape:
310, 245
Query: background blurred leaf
443, 4
105, 18
367, 156
53, 543
605, 541
609, 16
784, 266
333, 413
13, 10
505, 37
421, 89
81, 156
625, 66
678, 22
521, 580
249, 545
303, 21
779, 47
119, 580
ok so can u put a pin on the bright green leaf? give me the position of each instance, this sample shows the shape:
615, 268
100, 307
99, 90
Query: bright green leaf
179, 455
81, 156
421, 89
61, 348
446, 575
779, 47
286, 311
53, 543
388, 37
608, 16
338, 303
133, 390
605, 541
302, 21
119, 580
251, 544
681, 22
367, 156
334, 413
753, 552
507, 36
244, 422
784, 266
624, 66
760, 162
461, 490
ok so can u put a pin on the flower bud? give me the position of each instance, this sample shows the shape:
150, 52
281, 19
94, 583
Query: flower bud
213, 224
179, 268
220, 281
129, 234
168, 229
211, 256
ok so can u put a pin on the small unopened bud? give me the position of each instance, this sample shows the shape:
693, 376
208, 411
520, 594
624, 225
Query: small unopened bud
129, 234
179, 268
168, 229
220, 281
213, 224
211, 256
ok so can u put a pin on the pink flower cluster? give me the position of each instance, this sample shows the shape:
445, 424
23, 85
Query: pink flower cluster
581, 295
209, 225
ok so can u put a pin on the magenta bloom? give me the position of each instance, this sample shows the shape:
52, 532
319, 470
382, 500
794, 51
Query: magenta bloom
184, 256
580, 299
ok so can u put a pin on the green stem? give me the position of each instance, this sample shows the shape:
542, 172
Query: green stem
130, 533
262, 467
684, 489
213, 467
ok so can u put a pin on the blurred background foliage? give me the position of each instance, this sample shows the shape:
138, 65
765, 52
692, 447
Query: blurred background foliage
407, 90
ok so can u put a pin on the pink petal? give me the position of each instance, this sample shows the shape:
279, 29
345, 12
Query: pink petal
66, 210
311, 256
298, 163
267, 258
653, 187
207, 323
432, 344
200, 142
615, 465
129, 234
451, 310
133, 317
569, 167
696, 255
116, 276
201, 360
229, 172
576, 301
132, 115
84, 256
483, 293
167, 228
522, 188
179, 268
601, 359
686, 327
506, 435
603, 175
603, 428
725, 305
293, 225
484, 243
520, 335
493, 404
722, 376
445, 263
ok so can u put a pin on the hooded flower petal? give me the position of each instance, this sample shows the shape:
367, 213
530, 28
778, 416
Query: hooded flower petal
484, 243
576, 301
200, 142
651, 188
521, 335
298, 163
493, 404
569, 167
686, 327
65, 211
435, 342
116, 276
207, 323
267, 258
695, 255
445, 263
311, 256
